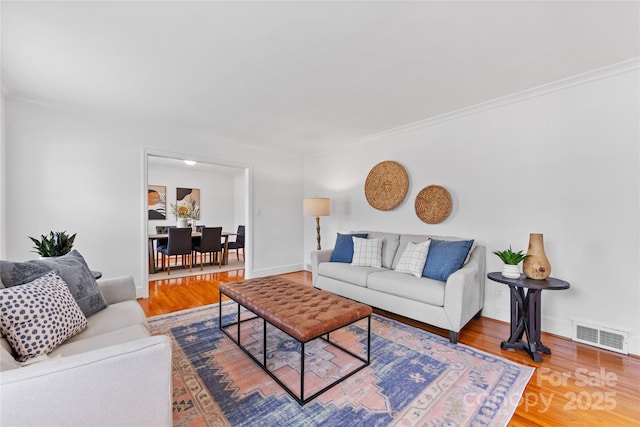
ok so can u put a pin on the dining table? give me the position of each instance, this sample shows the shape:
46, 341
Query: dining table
158, 236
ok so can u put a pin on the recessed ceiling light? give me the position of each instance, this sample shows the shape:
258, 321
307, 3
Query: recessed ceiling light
190, 162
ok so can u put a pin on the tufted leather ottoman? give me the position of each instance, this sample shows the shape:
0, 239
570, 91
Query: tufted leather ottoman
303, 312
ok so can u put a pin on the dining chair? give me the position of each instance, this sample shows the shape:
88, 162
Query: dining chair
210, 243
239, 243
160, 229
195, 241
178, 243
163, 229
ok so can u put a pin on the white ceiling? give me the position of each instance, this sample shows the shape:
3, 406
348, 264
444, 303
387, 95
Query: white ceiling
171, 162
295, 76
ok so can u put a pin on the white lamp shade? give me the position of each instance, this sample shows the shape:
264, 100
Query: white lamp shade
317, 206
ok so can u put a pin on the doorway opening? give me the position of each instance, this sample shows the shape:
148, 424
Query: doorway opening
222, 197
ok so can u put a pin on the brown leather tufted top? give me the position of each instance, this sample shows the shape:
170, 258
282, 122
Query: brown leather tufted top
303, 312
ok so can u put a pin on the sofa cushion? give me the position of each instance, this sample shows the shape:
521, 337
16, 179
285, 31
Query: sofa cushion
367, 252
416, 238
7, 361
408, 286
445, 258
413, 258
118, 323
72, 268
343, 249
390, 242
346, 272
117, 336
112, 318
37, 316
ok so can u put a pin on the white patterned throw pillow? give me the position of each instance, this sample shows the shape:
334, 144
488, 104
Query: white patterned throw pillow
38, 316
413, 258
367, 252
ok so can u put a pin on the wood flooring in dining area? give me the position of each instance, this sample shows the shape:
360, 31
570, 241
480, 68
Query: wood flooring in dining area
577, 385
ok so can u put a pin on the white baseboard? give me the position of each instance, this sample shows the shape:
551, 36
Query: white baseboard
554, 325
261, 272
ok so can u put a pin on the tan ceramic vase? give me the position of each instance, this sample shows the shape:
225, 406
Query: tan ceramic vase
536, 265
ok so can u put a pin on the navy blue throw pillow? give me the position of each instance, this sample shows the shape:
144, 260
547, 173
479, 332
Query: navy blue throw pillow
343, 251
445, 257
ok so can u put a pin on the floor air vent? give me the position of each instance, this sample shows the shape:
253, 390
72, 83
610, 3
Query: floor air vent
599, 336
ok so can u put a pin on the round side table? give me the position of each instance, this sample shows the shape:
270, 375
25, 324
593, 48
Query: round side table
526, 305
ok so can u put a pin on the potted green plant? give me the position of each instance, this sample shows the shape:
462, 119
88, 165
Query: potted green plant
54, 244
511, 260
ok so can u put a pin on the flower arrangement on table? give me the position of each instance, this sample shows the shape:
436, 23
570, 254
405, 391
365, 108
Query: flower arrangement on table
181, 211
188, 210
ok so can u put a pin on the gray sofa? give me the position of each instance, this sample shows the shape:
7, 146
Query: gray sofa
448, 305
111, 374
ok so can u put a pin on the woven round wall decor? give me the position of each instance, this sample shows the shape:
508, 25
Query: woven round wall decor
433, 204
386, 185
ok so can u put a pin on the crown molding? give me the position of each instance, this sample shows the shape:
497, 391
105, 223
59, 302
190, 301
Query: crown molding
558, 85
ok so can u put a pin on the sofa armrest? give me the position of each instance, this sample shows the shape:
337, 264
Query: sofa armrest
464, 291
125, 384
317, 257
118, 289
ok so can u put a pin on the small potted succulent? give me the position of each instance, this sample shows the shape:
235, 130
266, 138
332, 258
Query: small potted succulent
511, 260
54, 244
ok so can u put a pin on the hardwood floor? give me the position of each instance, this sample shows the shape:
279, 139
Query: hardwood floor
576, 385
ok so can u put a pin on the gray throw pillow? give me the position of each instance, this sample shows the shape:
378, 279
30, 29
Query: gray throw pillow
72, 268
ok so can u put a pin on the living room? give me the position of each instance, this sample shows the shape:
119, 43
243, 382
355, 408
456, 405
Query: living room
534, 129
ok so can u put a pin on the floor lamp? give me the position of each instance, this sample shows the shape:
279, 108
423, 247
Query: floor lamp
317, 206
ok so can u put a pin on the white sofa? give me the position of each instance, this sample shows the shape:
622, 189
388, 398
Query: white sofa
448, 305
114, 373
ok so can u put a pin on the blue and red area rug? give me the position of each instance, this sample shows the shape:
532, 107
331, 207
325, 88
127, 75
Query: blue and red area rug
415, 378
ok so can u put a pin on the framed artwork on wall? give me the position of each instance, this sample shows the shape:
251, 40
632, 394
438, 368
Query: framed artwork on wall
189, 197
157, 201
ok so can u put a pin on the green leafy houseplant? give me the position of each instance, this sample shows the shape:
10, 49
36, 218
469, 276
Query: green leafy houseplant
55, 244
509, 257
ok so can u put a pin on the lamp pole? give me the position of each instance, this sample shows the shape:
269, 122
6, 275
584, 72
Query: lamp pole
318, 230
317, 206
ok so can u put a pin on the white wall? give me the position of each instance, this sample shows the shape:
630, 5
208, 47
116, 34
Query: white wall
217, 194
562, 161
240, 205
82, 173
3, 222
